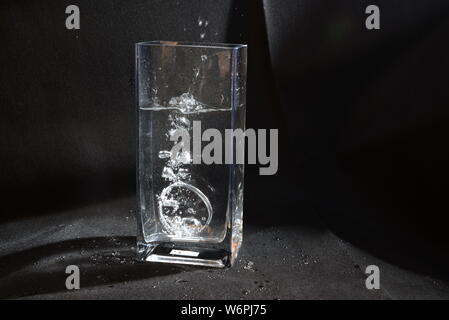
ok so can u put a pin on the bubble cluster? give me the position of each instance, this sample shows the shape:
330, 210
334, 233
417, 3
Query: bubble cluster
184, 210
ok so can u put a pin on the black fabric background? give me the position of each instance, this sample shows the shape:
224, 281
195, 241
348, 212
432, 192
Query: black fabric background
363, 115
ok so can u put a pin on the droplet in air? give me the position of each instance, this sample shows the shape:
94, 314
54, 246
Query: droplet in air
196, 71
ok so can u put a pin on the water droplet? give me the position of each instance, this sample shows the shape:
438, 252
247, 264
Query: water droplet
181, 281
249, 266
196, 72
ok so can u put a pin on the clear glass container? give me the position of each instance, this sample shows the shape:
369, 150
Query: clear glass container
189, 209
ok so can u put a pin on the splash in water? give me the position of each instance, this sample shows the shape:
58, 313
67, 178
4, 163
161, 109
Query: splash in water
184, 210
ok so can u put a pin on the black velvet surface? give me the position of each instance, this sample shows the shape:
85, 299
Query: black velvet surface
276, 262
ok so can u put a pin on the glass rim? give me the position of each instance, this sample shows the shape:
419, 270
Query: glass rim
187, 44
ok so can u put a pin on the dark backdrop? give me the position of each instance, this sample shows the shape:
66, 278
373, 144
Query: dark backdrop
369, 114
363, 115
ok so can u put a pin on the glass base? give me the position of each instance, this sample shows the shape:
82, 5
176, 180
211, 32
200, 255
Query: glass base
181, 254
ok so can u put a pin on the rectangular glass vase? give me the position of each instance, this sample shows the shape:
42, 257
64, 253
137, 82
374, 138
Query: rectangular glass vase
190, 96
